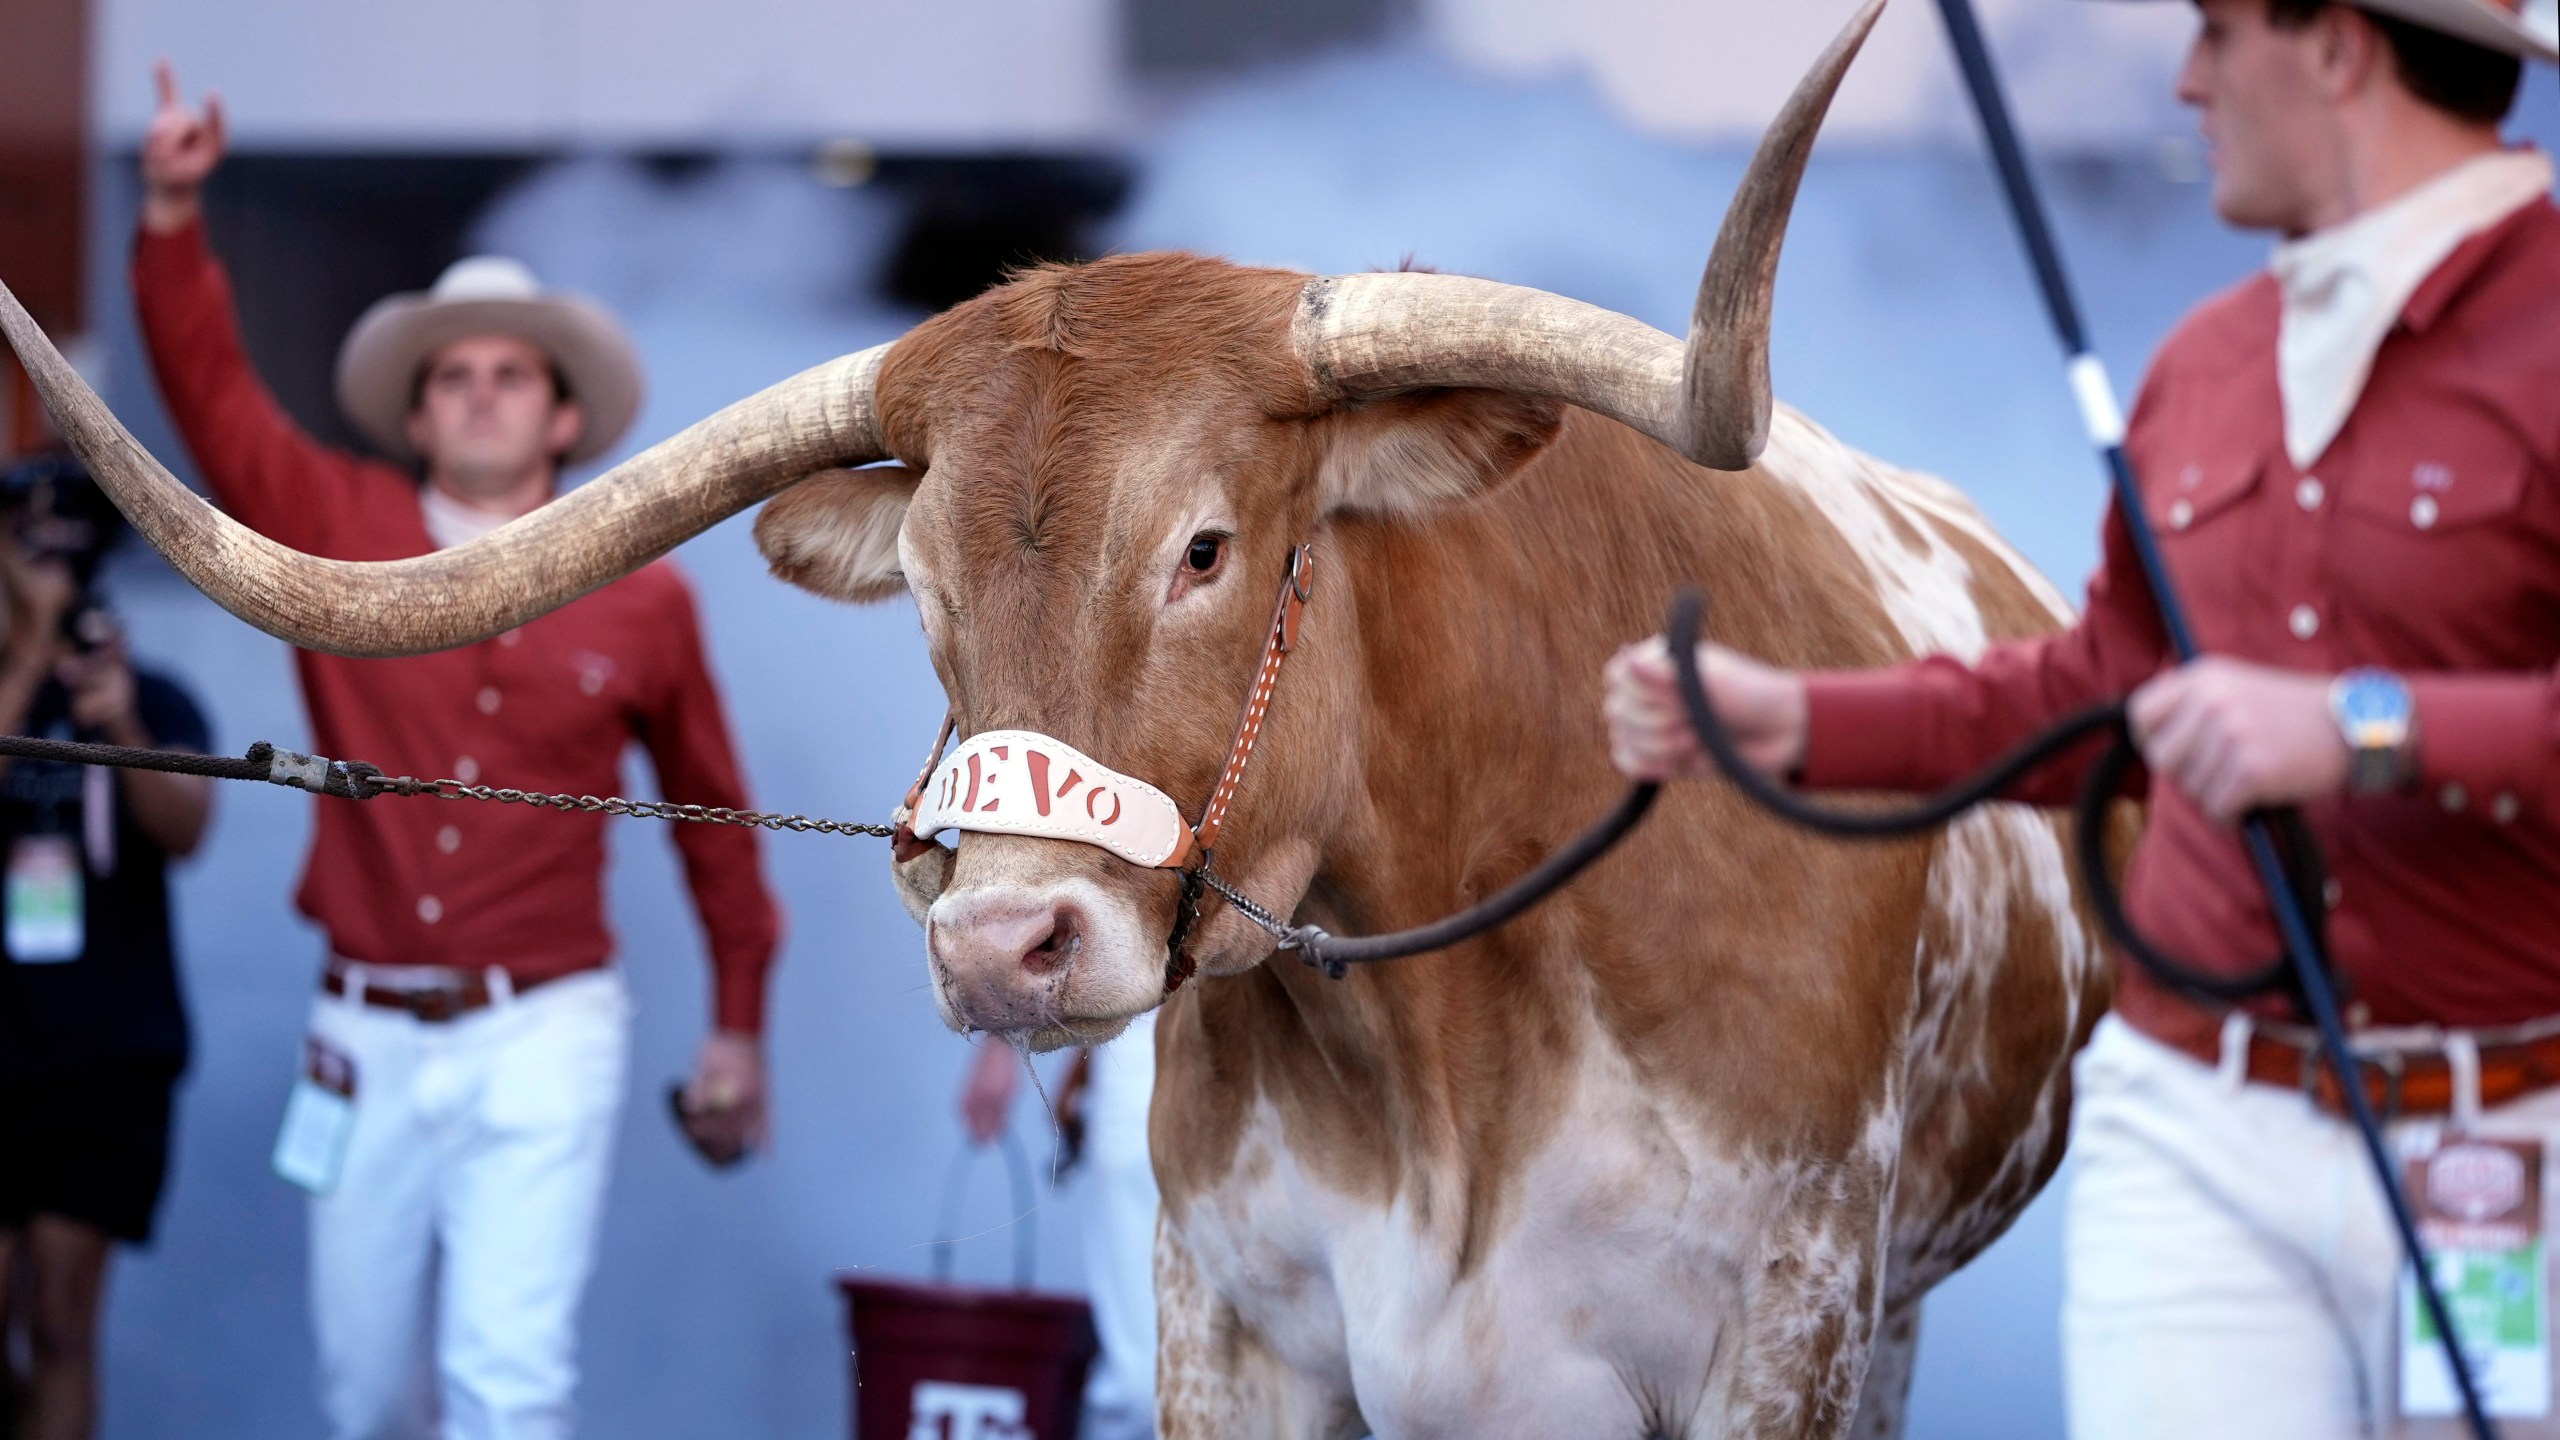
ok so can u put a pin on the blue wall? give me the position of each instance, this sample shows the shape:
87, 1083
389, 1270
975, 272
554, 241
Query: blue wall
1905, 323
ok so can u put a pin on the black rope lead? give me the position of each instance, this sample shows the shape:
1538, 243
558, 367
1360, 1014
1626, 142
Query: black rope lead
1334, 954
2097, 804
2308, 880
346, 779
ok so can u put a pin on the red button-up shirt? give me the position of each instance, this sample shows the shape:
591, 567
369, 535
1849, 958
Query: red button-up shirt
2426, 539
551, 705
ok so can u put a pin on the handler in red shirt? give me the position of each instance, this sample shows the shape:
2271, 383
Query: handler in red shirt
468, 997
2353, 461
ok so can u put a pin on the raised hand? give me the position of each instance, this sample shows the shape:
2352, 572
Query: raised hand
179, 150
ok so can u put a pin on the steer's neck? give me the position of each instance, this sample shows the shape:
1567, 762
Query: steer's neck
1482, 633
1469, 703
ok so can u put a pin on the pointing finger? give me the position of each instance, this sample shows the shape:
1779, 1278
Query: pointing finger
164, 78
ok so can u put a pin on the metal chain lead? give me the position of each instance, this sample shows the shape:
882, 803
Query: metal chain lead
616, 805
1245, 905
1307, 940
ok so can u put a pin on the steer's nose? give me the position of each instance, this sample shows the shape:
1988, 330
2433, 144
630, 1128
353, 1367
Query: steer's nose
996, 951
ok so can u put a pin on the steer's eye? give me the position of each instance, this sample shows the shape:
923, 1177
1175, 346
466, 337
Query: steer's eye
1200, 561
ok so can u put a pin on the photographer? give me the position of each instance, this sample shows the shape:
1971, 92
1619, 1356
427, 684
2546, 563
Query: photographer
93, 1034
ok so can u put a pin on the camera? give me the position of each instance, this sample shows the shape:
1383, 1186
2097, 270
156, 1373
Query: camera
57, 512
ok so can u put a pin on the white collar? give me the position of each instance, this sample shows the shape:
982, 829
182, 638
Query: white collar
451, 521
2344, 287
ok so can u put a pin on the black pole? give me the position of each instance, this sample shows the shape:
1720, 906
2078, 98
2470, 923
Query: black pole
2106, 430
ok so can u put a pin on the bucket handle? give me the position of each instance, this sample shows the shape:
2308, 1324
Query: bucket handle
1026, 1239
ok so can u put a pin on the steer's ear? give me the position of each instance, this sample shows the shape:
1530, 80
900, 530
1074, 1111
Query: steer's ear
1407, 453
836, 533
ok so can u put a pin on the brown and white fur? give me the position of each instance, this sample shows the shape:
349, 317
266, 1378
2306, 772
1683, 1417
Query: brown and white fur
1676, 1154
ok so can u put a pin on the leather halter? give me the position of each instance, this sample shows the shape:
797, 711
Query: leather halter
1296, 589
1193, 850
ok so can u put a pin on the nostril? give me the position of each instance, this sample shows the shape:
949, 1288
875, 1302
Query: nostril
1059, 946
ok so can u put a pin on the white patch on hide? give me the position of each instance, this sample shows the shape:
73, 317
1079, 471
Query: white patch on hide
1981, 865
1953, 508
1620, 1271
1995, 858
1927, 592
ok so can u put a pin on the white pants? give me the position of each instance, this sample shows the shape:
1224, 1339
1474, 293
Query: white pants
2230, 1267
1120, 1236
448, 1261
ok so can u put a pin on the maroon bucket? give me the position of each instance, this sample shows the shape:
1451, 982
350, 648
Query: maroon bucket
934, 1360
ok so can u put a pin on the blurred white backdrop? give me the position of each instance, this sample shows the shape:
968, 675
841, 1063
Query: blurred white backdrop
517, 73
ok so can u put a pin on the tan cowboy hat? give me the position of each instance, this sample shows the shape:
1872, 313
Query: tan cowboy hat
2527, 29
487, 295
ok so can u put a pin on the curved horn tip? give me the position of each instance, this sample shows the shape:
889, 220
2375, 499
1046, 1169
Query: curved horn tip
1725, 373
1865, 19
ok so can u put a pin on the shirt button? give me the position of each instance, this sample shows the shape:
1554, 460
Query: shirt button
448, 839
430, 909
2309, 493
2454, 797
488, 699
466, 769
2332, 892
2422, 511
2304, 622
2505, 808
509, 639
2181, 515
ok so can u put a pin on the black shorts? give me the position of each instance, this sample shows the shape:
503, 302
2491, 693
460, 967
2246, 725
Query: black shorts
90, 1147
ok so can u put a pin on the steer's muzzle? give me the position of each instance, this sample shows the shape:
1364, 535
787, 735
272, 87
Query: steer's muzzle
1043, 961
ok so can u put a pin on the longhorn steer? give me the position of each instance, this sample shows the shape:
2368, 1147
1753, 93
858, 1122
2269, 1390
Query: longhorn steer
1656, 1158
1676, 1154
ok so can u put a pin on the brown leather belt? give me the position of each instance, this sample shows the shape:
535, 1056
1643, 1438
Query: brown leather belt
2400, 1082
454, 993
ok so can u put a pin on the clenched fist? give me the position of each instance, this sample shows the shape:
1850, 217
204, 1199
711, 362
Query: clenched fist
2238, 737
1649, 734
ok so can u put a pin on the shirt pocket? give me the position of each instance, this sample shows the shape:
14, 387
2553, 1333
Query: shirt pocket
2431, 542
2200, 510
2199, 492
555, 696
2405, 494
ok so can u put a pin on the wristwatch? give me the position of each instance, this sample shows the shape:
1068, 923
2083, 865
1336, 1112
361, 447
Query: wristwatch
2374, 710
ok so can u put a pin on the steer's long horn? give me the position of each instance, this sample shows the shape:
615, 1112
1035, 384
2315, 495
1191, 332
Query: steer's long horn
1376, 334
601, 531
